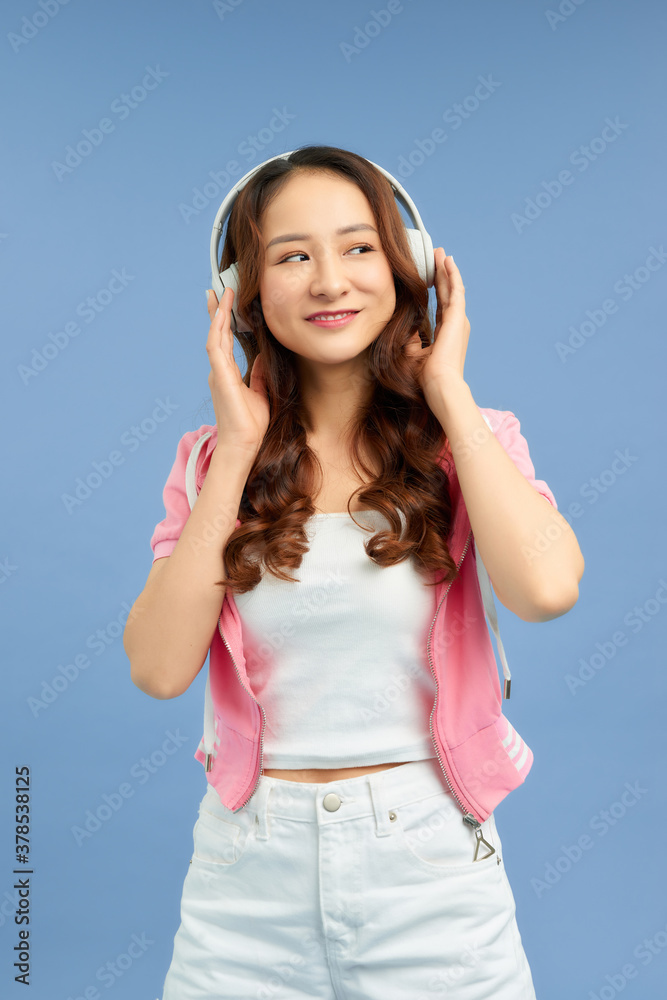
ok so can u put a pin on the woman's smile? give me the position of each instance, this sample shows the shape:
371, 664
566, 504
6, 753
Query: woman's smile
332, 319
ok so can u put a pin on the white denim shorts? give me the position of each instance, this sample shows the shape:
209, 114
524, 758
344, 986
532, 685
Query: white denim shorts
361, 889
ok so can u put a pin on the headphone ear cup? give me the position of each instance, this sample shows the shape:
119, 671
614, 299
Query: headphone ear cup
230, 279
430, 259
421, 248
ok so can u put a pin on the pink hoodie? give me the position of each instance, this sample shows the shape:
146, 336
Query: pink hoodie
481, 755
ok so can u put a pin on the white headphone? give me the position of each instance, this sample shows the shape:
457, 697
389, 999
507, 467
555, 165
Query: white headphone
419, 240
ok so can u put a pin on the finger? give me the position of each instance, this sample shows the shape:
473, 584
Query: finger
442, 283
456, 286
219, 335
442, 262
221, 328
225, 305
211, 303
443, 271
257, 377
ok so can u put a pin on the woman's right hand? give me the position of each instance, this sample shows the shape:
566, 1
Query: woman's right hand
241, 412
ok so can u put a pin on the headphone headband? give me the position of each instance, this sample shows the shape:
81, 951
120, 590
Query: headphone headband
419, 240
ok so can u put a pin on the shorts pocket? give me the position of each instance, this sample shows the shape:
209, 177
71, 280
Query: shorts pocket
220, 842
432, 836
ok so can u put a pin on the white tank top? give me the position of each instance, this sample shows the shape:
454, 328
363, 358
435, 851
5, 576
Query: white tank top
338, 660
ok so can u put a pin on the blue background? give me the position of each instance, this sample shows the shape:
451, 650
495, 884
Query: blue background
530, 285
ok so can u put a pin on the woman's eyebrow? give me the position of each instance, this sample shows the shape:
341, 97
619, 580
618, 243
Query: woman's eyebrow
290, 237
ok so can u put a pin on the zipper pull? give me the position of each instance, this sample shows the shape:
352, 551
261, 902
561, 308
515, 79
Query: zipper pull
480, 841
477, 827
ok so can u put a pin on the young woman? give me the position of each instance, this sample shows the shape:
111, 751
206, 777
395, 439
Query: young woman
346, 845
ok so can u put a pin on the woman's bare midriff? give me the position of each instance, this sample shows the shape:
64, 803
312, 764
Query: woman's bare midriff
318, 775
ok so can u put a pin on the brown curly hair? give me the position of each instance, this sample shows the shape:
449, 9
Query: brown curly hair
396, 426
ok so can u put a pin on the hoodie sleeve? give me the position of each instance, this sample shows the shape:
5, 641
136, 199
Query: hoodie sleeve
508, 432
175, 498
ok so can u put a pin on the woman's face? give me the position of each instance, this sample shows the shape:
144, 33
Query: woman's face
313, 269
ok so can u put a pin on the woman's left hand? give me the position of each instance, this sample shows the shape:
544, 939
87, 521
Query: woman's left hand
445, 358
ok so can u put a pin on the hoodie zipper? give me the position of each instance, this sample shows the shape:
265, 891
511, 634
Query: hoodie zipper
468, 817
261, 735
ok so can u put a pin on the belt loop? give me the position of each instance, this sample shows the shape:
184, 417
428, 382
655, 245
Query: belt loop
259, 803
382, 821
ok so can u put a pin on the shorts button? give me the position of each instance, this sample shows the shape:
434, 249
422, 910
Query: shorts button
331, 802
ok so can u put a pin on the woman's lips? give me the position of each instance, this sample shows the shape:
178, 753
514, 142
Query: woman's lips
343, 321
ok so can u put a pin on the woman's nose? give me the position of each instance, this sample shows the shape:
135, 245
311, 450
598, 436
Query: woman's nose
329, 277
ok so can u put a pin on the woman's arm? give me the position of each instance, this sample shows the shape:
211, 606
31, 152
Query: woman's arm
530, 551
172, 622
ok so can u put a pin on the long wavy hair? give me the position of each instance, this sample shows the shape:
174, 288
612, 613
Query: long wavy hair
396, 426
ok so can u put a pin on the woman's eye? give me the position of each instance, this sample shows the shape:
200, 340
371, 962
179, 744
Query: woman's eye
300, 253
